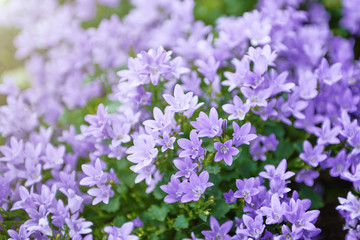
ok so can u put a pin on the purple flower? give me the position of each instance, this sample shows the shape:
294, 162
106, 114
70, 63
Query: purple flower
312, 156
274, 213
237, 110
186, 167
301, 219
287, 234
180, 102
256, 97
246, 189
208, 126
327, 74
254, 226
78, 226
161, 122
229, 197
101, 194
225, 151
307, 85
242, 135
195, 187
338, 164
95, 175
22, 235
217, 231
192, 147
143, 152
14, 152
173, 188
99, 123
123, 233
307, 176
276, 173
350, 205
327, 135
166, 142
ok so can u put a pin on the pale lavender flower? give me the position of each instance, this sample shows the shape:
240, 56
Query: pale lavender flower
254, 226
307, 176
338, 164
186, 167
229, 197
237, 110
143, 152
327, 74
217, 231
208, 126
274, 213
327, 135
166, 142
195, 187
180, 102
276, 173
312, 156
307, 85
161, 122
78, 226
101, 194
246, 189
122, 233
225, 151
22, 235
95, 174
173, 189
192, 147
242, 134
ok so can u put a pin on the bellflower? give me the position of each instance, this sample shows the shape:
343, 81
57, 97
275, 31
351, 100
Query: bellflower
274, 213
95, 174
254, 226
173, 189
229, 197
180, 102
195, 187
246, 189
327, 74
242, 134
191, 147
208, 126
312, 156
225, 151
121, 233
237, 110
186, 167
307, 176
218, 231
327, 135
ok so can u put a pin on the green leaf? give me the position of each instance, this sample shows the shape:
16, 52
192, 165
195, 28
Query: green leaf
220, 209
119, 221
112, 206
213, 169
308, 192
181, 222
203, 217
284, 150
158, 213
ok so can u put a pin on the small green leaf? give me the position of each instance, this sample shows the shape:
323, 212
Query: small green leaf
181, 222
112, 206
158, 213
213, 169
309, 193
203, 217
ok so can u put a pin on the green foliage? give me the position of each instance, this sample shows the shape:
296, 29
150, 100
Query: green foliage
181, 222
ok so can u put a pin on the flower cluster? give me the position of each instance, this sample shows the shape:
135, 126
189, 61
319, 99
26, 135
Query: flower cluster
160, 120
